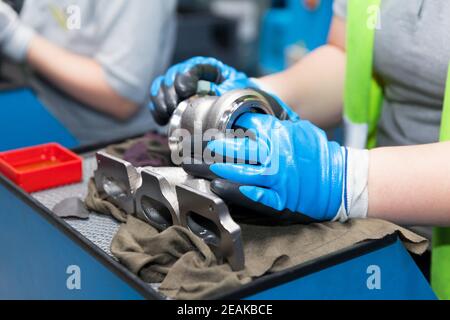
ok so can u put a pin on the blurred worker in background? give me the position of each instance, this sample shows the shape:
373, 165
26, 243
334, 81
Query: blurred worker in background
93, 61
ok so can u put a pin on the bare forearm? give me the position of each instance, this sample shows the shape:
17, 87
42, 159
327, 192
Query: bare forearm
314, 87
80, 77
411, 185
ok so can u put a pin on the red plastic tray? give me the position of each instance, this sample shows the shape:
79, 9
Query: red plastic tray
41, 167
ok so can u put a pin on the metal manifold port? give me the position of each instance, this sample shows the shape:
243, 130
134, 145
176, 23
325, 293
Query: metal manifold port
165, 197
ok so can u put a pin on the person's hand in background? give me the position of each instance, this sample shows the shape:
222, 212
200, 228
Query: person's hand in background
15, 37
291, 168
181, 82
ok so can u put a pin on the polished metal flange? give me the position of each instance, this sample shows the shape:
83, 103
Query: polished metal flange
207, 216
118, 179
201, 114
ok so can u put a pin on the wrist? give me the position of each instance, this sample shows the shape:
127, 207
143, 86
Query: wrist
355, 195
16, 46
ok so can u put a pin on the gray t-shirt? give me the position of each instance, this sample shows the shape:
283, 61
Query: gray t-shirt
412, 54
132, 40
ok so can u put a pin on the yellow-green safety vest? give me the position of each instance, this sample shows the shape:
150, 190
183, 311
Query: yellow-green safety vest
362, 109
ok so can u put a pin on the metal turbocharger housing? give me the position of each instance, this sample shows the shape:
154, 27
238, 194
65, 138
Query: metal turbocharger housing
199, 114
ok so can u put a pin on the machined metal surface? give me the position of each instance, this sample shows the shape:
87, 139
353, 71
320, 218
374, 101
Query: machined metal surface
207, 216
118, 179
156, 199
164, 197
217, 115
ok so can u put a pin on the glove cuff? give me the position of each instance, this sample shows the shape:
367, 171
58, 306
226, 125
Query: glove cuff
289, 114
355, 197
257, 84
16, 47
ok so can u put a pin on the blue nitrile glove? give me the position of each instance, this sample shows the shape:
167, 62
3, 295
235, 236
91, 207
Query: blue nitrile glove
182, 82
290, 168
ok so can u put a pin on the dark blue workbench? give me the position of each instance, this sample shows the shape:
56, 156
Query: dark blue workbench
38, 252
26, 122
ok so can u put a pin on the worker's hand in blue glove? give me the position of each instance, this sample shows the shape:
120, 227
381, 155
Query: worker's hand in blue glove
290, 168
181, 82
15, 37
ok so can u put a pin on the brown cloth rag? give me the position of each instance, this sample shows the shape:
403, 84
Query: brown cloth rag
152, 150
98, 202
187, 268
